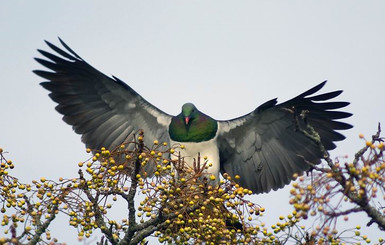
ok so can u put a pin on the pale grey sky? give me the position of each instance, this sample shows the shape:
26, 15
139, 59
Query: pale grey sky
227, 57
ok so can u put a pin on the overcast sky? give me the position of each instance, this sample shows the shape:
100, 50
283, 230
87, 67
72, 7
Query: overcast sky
227, 57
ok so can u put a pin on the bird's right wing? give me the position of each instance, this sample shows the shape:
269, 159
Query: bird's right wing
104, 110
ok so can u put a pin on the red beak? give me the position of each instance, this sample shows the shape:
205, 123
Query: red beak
186, 120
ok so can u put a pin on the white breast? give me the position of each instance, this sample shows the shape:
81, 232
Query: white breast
207, 149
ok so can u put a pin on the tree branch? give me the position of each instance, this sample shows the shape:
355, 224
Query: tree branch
132, 228
362, 202
98, 215
43, 227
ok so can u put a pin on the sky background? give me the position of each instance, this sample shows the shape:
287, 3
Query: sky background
227, 57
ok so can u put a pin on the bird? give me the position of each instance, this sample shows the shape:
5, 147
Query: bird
264, 147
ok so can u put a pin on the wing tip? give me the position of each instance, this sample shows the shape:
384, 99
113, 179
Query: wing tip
313, 90
69, 49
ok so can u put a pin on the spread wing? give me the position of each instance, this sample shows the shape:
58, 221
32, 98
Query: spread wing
104, 110
265, 148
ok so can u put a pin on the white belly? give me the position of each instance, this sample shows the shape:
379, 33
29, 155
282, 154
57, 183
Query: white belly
207, 149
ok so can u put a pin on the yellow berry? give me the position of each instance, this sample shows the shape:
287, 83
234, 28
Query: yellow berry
361, 136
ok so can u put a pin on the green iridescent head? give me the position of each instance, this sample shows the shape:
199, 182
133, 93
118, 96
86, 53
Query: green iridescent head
191, 125
189, 111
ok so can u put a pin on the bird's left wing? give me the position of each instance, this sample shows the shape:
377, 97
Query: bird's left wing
265, 147
104, 110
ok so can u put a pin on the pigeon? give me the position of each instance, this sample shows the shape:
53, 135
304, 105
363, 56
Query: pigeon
265, 147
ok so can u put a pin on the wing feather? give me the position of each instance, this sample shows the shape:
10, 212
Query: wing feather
265, 146
104, 110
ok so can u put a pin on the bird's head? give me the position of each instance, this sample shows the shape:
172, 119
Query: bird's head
189, 113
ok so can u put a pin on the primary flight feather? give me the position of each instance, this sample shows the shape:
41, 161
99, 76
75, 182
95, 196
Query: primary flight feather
264, 147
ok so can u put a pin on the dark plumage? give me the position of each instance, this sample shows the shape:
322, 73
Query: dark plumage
264, 147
